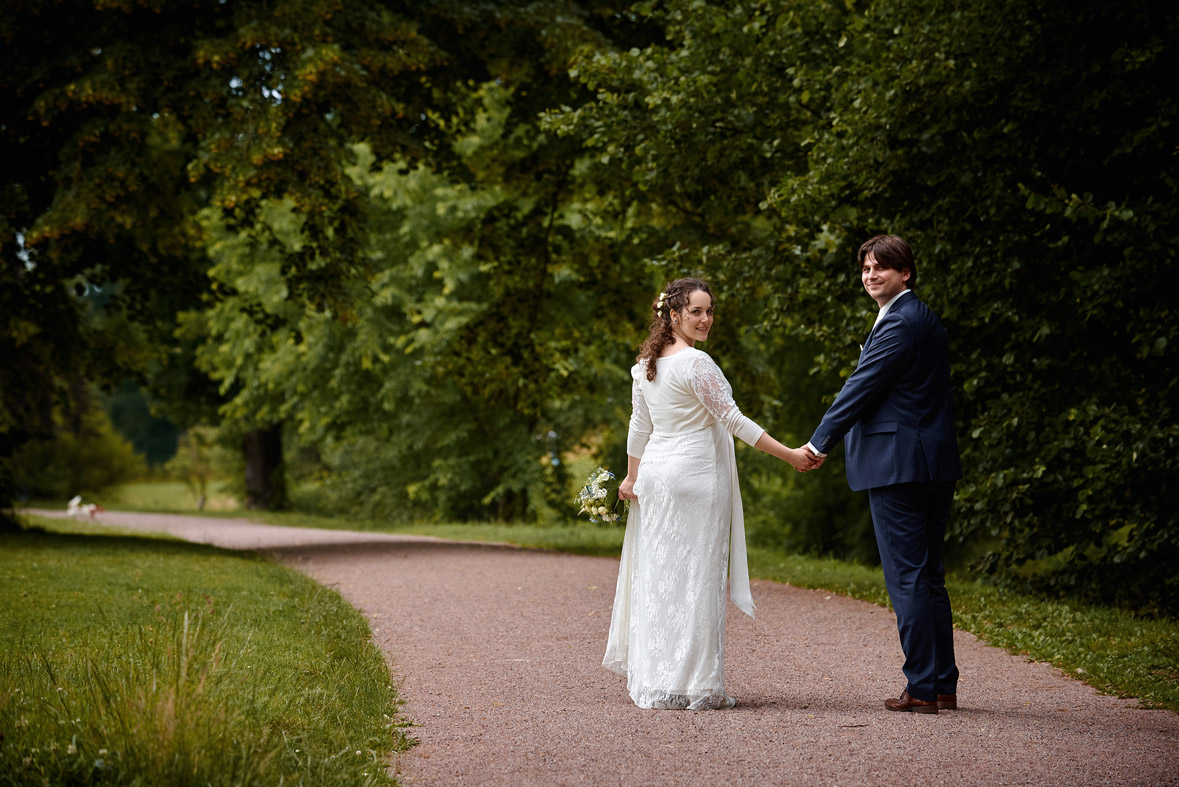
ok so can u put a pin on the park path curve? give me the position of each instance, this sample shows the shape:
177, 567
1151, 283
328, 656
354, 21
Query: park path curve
496, 651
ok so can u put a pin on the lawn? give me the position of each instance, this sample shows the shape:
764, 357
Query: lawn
174, 497
129, 659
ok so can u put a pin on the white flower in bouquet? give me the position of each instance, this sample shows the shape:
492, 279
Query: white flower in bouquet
594, 498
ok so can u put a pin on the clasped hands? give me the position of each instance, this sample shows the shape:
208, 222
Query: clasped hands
802, 460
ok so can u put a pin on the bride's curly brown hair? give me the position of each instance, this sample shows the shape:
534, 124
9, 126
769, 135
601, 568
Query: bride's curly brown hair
675, 298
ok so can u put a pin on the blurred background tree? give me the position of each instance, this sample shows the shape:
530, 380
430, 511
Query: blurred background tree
151, 436
490, 308
122, 121
1027, 152
86, 456
201, 458
401, 248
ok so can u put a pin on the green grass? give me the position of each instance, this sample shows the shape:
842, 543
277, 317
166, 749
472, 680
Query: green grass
163, 496
582, 539
133, 660
1107, 648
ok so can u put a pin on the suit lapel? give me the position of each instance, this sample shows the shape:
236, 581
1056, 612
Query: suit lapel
897, 306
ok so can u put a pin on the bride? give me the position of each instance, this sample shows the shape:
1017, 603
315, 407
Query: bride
667, 630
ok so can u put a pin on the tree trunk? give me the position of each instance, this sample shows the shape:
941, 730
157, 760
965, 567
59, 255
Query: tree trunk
266, 486
8, 521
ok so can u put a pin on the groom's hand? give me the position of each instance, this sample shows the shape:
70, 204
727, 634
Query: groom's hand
819, 458
803, 460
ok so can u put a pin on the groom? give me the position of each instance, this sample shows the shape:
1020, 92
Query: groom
897, 413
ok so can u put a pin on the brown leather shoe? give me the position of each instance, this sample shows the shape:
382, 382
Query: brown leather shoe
947, 702
907, 703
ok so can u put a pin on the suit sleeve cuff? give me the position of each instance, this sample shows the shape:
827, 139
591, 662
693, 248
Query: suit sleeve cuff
812, 449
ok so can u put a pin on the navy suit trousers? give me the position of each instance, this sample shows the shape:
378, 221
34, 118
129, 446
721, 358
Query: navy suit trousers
910, 523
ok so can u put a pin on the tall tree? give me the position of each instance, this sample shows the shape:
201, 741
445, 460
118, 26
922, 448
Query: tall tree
484, 315
1025, 149
122, 120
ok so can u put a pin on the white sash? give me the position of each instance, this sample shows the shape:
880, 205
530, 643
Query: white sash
739, 590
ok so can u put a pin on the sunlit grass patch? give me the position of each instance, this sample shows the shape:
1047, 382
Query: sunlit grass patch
157, 496
582, 538
170, 496
137, 660
1106, 647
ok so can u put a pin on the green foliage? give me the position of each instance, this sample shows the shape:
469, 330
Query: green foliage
201, 459
483, 315
195, 666
810, 514
1067, 401
122, 121
1025, 151
691, 133
426, 240
85, 457
130, 412
788, 513
1063, 398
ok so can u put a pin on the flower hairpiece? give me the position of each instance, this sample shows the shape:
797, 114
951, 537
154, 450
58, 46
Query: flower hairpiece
659, 305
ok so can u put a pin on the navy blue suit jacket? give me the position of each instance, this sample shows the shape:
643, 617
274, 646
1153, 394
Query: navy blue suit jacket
897, 409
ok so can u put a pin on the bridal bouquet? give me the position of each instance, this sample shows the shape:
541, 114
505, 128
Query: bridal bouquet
596, 496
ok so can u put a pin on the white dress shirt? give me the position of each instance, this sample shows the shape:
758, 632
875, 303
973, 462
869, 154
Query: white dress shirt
884, 309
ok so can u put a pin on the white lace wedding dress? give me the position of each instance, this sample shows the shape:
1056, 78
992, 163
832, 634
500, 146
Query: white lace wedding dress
667, 630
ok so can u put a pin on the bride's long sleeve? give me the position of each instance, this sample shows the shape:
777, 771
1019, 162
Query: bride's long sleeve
715, 393
640, 418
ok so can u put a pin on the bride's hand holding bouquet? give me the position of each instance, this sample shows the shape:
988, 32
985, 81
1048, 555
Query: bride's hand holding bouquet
597, 499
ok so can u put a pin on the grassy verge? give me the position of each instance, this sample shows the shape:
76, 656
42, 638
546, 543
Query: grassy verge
580, 539
1107, 648
126, 659
173, 497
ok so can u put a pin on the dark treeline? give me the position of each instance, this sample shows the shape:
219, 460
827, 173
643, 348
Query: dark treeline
405, 253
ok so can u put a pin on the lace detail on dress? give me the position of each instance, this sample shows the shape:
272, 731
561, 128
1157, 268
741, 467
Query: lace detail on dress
667, 629
656, 699
711, 387
715, 393
675, 629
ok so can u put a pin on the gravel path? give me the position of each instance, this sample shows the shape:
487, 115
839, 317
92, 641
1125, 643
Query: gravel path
496, 651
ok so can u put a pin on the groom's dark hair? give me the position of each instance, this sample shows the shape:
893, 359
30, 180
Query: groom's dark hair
890, 251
